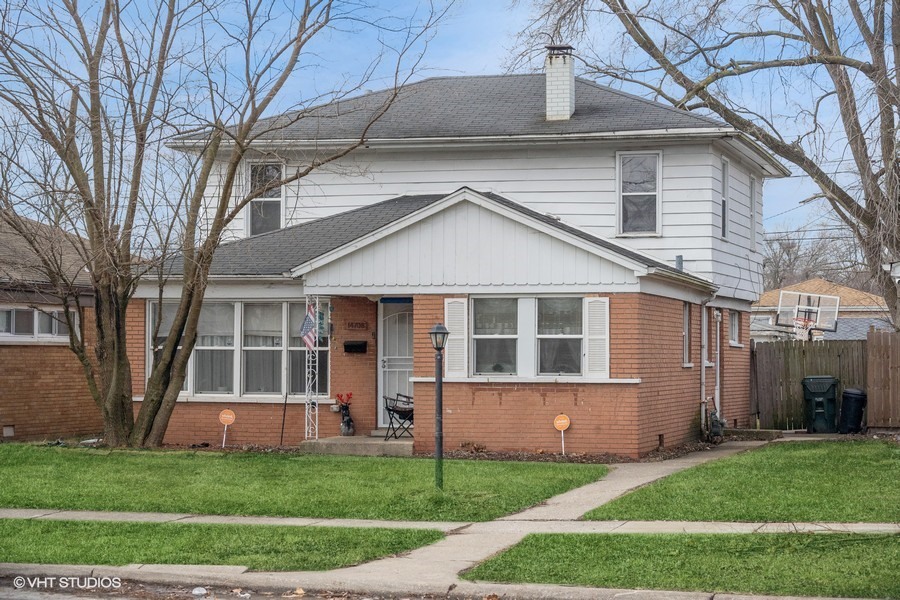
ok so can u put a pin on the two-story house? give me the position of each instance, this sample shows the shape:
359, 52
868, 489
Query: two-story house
592, 253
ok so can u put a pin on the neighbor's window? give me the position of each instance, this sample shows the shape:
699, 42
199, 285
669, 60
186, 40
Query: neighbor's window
559, 335
263, 347
725, 183
639, 189
297, 350
265, 211
686, 333
24, 323
734, 327
495, 335
214, 350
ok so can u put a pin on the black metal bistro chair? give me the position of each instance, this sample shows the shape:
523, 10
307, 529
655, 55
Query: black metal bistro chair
400, 416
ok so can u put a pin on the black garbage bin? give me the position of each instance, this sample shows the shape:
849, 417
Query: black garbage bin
820, 398
853, 401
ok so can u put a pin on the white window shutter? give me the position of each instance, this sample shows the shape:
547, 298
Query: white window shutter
456, 360
597, 337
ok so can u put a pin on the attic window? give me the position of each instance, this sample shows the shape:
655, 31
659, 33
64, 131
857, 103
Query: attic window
265, 211
638, 193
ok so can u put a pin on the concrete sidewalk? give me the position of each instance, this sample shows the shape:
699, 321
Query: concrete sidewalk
434, 569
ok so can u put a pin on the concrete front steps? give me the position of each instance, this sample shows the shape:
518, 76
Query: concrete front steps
359, 445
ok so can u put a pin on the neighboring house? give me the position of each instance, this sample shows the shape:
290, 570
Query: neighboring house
589, 250
43, 391
858, 311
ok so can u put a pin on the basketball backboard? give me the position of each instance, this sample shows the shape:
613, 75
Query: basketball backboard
820, 310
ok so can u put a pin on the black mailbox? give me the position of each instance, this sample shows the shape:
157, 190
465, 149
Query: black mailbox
356, 347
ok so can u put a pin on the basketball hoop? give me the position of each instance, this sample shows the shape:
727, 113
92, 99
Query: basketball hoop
802, 327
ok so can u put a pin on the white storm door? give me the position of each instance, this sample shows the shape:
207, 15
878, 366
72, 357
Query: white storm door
395, 353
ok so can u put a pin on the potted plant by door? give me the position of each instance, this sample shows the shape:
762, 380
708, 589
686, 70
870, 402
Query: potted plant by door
347, 427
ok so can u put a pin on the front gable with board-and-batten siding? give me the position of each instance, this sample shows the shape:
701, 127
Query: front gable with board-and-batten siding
469, 243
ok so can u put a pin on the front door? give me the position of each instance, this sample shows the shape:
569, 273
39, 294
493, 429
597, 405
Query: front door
395, 352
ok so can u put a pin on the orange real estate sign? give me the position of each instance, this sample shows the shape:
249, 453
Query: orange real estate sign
226, 417
561, 422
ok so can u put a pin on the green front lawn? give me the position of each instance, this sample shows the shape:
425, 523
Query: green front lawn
852, 481
288, 485
776, 564
258, 547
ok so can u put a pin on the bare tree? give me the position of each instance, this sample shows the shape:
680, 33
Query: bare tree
816, 83
92, 98
821, 249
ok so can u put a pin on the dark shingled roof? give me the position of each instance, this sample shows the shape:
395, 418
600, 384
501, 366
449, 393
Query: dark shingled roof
473, 106
280, 251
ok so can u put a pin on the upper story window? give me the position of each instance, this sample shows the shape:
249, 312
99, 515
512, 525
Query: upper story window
21, 324
726, 186
639, 185
264, 212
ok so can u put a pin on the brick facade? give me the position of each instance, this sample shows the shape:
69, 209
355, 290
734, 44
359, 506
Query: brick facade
260, 423
623, 418
43, 391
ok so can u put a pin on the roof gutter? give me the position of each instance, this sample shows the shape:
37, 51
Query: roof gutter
684, 278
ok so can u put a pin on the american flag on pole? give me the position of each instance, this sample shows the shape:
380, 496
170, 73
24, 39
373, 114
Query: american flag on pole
308, 329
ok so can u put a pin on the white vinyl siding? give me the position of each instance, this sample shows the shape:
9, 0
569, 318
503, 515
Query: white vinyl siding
467, 247
576, 183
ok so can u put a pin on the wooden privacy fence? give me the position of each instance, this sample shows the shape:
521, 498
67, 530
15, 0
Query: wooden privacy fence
883, 408
777, 368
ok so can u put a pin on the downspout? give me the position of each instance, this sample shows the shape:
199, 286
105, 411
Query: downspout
718, 361
704, 353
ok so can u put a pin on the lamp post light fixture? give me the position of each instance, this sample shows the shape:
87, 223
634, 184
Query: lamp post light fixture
439, 335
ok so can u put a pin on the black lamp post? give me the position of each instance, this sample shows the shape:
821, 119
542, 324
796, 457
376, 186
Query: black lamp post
439, 335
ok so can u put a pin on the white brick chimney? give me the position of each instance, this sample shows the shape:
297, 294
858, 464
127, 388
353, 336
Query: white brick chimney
560, 73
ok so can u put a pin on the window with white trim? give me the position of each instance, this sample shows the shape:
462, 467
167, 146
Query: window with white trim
214, 351
297, 351
724, 192
686, 333
263, 347
166, 317
527, 337
20, 323
268, 334
495, 325
734, 327
264, 212
639, 193
559, 335
753, 223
